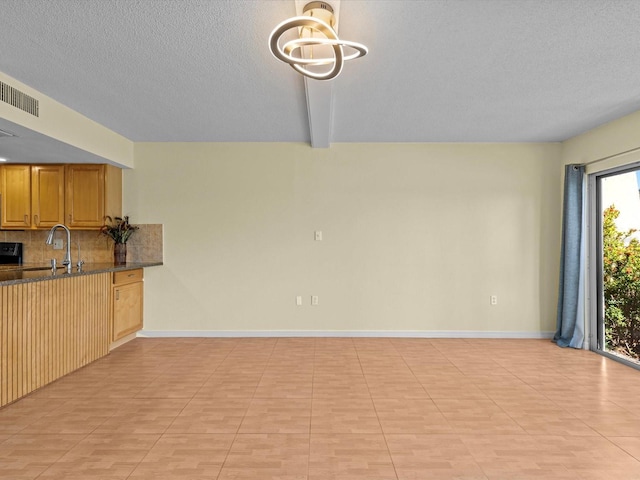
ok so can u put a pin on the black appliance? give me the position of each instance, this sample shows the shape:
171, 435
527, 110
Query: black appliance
10, 253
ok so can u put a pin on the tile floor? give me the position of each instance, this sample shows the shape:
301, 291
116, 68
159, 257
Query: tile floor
330, 408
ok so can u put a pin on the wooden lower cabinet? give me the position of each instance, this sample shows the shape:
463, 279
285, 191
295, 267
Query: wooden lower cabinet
49, 329
128, 294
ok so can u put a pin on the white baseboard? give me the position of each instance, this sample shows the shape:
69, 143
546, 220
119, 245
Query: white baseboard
340, 333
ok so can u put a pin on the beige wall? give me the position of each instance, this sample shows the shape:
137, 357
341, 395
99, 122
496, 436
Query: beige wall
608, 146
416, 237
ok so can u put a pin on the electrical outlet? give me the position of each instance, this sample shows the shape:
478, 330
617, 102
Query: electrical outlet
314, 300
57, 244
494, 299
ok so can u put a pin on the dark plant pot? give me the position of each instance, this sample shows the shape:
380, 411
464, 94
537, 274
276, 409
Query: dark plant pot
119, 253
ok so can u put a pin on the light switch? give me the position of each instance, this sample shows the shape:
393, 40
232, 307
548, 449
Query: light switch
299, 300
57, 244
318, 236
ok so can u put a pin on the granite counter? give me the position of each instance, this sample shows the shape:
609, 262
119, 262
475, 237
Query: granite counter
12, 274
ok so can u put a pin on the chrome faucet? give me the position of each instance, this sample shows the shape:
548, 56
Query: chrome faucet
80, 261
67, 257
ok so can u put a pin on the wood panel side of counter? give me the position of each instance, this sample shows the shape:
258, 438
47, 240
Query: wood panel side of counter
49, 329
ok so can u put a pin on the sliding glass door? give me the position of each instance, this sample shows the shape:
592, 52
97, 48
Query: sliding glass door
617, 226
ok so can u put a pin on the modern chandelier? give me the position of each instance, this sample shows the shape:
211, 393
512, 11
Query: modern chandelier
316, 43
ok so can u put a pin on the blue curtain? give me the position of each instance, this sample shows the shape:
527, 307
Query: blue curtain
570, 320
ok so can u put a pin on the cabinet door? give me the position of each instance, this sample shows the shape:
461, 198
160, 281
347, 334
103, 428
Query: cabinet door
15, 188
47, 190
84, 197
127, 309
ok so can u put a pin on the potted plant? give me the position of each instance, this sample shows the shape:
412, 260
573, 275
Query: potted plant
119, 230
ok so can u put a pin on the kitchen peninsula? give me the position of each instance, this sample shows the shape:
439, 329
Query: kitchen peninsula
56, 322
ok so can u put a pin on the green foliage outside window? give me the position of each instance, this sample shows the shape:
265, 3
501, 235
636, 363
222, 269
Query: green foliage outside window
621, 285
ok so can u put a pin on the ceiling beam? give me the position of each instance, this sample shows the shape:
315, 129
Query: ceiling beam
319, 93
319, 108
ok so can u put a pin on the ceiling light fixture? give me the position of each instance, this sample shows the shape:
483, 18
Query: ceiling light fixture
301, 53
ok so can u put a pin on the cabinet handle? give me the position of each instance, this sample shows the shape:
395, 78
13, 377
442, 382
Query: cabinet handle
69, 218
26, 219
117, 294
131, 275
36, 219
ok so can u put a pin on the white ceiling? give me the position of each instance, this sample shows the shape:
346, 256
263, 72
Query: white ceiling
437, 70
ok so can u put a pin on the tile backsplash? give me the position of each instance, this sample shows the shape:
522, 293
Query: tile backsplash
145, 245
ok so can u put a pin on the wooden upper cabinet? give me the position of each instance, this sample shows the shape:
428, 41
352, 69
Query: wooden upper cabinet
15, 188
32, 196
40, 196
85, 196
47, 195
92, 192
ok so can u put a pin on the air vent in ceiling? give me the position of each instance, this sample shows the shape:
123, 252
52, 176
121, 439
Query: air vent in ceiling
19, 99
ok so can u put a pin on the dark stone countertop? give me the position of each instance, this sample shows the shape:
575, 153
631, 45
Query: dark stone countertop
14, 274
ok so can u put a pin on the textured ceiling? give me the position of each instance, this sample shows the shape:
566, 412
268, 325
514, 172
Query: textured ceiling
437, 70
